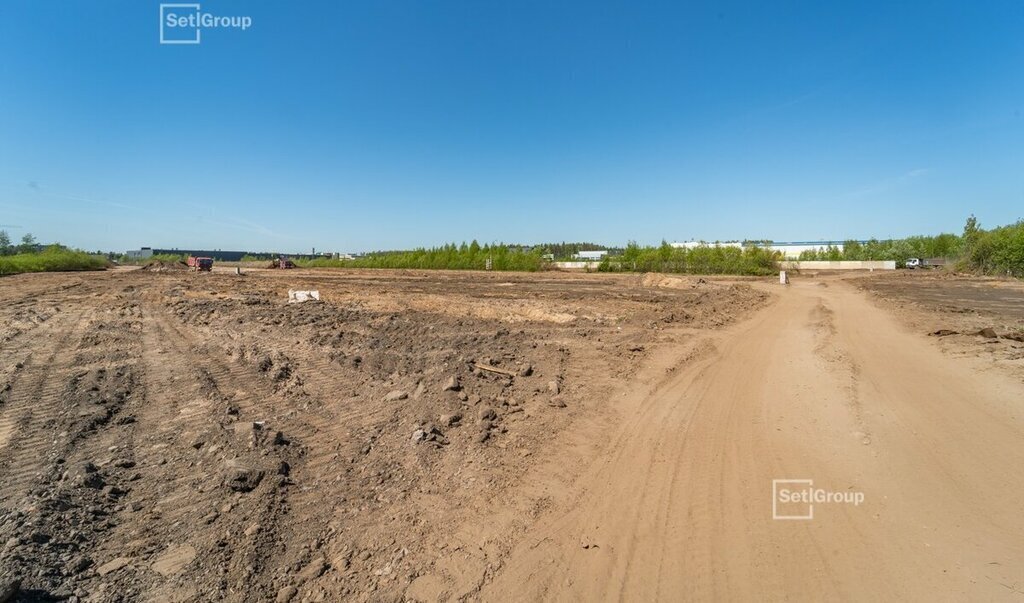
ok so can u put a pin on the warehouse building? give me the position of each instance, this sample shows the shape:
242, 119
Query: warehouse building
791, 249
217, 254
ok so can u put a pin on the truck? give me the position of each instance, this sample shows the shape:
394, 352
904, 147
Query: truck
197, 264
913, 263
282, 262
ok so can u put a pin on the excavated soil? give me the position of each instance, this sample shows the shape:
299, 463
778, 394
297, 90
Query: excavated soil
969, 316
174, 436
162, 266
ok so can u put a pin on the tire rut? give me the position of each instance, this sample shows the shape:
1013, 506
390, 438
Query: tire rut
28, 417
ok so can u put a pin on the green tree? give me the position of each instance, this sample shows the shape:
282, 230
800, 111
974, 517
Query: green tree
5, 242
28, 243
852, 250
972, 234
971, 228
665, 251
833, 253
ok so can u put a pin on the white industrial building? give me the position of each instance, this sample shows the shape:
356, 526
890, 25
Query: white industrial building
795, 248
791, 249
694, 244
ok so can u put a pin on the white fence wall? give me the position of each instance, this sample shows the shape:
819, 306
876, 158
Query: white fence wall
576, 265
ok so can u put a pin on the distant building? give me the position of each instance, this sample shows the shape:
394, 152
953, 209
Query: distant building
590, 256
795, 248
791, 249
140, 254
224, 256
217, 254
695, 244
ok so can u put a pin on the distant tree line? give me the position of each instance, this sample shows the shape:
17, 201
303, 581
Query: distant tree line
465, 256
705, 259
999, 251
996, 251
471, 256
28, 244
564, 251
939, 246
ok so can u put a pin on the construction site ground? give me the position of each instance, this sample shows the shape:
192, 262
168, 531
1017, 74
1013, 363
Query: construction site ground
177, 436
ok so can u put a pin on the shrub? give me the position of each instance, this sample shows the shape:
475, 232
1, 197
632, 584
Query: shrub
52, 259
997, 251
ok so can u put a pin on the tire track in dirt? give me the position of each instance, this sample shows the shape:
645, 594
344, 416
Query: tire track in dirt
306, 406
28, 416
289, 412
182, 484
681, 507
25, 320
189, 388
185, 400
479, 546
626, 538
303, 405
332, 420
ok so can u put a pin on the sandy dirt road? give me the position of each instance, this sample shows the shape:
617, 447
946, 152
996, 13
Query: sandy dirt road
821, 385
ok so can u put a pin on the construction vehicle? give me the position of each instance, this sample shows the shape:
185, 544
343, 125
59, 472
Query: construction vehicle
282, 262
196, 264
913, 263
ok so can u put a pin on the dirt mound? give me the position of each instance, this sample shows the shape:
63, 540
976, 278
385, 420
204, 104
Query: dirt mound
667, 281
163, 266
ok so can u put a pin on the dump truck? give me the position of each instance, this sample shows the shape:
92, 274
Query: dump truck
196, 264
282, 262
913, 263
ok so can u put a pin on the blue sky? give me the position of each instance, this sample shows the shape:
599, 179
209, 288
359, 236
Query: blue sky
389, 124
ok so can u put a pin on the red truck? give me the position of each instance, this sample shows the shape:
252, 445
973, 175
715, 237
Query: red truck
199, 264
282, 262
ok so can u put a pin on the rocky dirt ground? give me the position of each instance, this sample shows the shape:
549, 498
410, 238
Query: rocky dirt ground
193, 437
969, 316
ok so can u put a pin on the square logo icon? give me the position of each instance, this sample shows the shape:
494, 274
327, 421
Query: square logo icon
791, 500
179, 24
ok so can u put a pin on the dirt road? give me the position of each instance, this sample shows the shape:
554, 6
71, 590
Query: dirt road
821, 385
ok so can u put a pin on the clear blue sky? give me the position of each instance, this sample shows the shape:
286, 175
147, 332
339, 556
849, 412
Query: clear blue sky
394, 123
